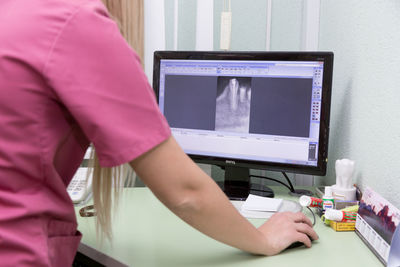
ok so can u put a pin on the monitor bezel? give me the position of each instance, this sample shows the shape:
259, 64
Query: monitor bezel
326, 57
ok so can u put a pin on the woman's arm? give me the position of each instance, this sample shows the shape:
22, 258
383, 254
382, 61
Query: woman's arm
193, 196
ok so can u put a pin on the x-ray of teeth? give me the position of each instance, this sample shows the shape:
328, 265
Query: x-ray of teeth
233, 93
242, 94
233, 104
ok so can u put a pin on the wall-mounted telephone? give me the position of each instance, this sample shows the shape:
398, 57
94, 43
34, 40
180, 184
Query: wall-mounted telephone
80, 187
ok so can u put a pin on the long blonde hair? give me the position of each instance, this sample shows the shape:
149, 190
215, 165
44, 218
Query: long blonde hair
107, 182
107, 185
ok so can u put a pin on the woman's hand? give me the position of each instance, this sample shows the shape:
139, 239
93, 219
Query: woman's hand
193, 196
285, 228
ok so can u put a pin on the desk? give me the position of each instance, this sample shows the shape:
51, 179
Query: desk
147, 234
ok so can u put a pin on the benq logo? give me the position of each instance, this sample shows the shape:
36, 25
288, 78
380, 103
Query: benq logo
230, 162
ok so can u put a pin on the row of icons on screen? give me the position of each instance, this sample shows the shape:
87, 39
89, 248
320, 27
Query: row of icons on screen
219, 70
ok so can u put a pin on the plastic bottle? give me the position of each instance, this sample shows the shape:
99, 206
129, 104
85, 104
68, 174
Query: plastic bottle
307, 201
327, 198
340, 215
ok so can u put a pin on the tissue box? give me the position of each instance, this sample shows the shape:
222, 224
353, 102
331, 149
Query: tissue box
343, 226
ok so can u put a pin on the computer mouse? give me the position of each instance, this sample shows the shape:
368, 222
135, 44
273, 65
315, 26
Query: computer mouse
295, 245
298, 244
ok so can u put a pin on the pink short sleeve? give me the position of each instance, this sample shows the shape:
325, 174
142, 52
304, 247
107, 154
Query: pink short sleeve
98, 78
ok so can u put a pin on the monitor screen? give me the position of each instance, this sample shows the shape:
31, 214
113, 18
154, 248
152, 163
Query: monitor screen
267, 110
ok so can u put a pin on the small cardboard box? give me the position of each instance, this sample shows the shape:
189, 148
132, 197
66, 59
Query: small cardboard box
343, 226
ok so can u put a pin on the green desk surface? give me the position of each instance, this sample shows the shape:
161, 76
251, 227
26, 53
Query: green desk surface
147, 234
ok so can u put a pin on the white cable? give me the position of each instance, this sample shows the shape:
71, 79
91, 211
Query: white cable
226, 26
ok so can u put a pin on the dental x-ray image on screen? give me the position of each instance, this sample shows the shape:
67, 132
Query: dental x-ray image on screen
248, 110
233, 104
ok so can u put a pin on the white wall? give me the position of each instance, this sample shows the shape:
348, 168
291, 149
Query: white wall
365, 38
365, 122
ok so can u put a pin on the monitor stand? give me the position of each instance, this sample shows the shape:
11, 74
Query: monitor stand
237, 185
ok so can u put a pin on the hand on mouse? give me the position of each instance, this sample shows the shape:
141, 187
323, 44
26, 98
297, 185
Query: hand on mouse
283, 229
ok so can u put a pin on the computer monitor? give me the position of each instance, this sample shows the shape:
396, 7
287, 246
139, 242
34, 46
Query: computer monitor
248, 110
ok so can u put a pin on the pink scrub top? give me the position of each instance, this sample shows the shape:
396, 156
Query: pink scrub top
67, 78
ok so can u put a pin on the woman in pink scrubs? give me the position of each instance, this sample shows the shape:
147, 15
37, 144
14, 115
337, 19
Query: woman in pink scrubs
67, 79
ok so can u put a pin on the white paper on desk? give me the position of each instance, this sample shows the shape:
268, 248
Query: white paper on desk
251, 214
263, 204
